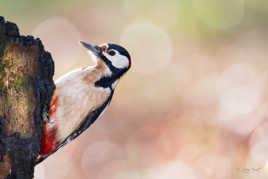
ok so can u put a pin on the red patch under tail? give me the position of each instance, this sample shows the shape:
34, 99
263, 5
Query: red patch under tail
47, 143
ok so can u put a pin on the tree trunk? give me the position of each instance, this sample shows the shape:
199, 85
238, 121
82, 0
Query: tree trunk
26, 87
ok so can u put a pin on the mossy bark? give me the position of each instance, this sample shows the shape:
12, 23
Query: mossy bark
26, 87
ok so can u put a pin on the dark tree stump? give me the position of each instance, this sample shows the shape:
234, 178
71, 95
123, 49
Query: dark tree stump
26, 87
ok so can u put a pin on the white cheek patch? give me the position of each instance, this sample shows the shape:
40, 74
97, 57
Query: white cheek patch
118, 60
107, 72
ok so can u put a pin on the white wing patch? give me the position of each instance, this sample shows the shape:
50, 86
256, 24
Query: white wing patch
118, 60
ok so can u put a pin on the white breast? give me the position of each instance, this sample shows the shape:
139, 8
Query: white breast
75, 100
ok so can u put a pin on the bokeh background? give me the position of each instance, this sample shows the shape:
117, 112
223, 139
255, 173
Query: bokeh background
193, 106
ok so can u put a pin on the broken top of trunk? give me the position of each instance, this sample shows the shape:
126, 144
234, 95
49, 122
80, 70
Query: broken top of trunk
26, 87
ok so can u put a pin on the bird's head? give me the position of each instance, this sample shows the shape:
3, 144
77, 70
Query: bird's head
115, 57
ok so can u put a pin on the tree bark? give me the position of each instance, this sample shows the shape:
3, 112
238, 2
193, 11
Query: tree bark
26, 87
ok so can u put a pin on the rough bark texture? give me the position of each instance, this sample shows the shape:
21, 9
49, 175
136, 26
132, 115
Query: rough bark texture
26, 87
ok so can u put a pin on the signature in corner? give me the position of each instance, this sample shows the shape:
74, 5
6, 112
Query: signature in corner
249, 170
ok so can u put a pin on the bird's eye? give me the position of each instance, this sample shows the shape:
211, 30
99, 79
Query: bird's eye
111, 52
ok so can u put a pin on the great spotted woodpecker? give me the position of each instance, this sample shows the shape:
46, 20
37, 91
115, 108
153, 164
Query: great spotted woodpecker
81, 96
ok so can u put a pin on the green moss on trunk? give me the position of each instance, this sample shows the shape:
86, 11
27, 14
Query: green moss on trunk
18, 70
26, 87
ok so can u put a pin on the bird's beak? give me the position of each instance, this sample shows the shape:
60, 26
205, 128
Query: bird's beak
93, 48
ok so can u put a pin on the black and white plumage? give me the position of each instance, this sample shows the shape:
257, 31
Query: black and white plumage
82, 95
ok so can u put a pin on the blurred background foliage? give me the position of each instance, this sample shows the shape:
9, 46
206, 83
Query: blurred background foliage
203, 17
194, 105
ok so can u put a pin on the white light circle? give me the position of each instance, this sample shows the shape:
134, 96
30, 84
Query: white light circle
214, 166
60, 37
175, 169
239, 91
258, 146
258, 154
150, 47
